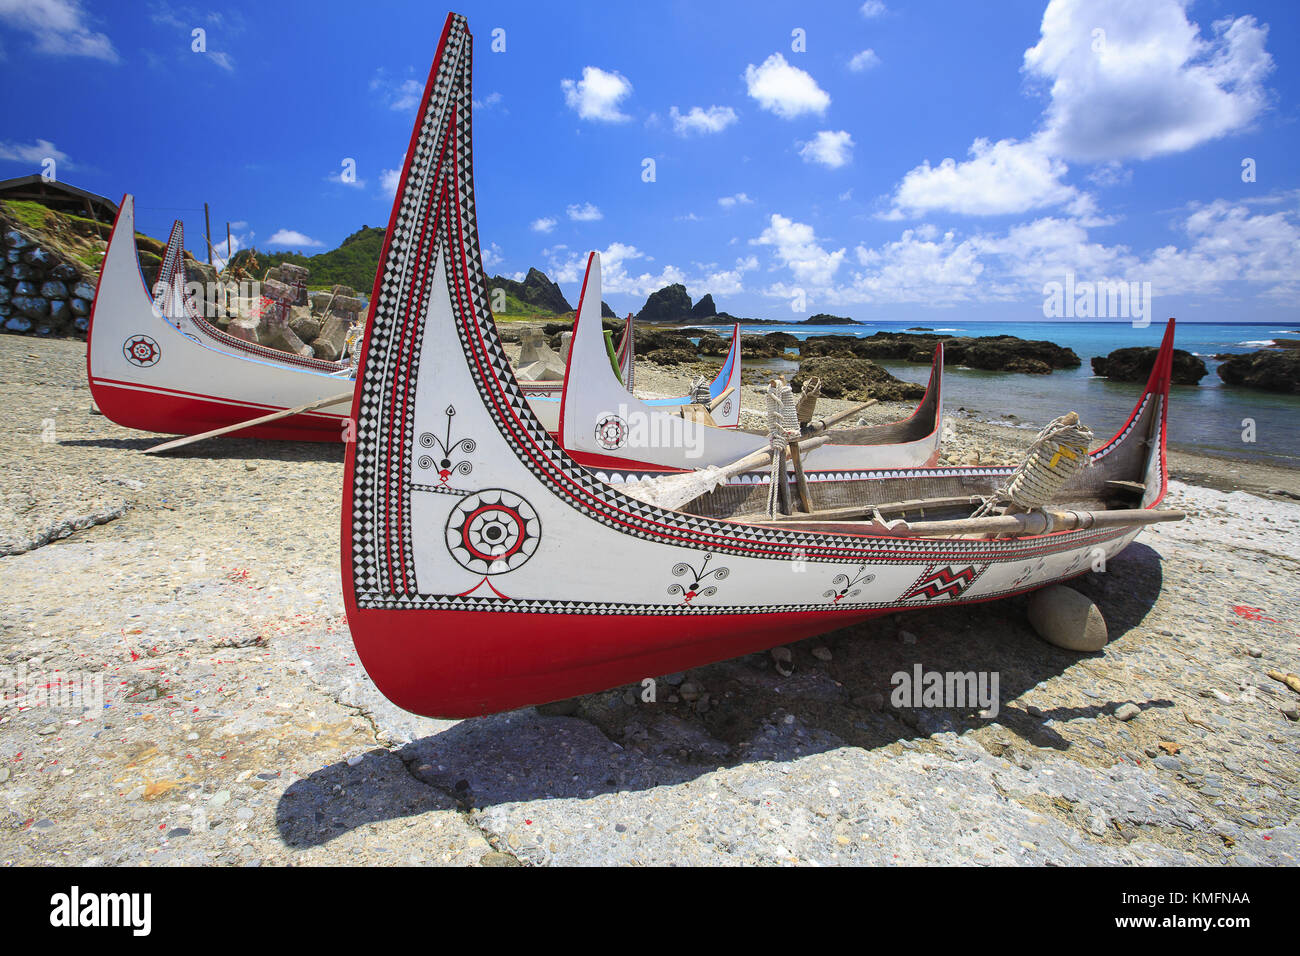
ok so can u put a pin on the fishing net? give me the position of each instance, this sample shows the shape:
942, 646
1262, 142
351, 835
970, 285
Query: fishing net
1056, 454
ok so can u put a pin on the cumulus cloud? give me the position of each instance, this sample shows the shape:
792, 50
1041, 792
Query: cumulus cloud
291, 239
1125, 81
597, 95
797, 249
584, 213
1150, 83
712, 120
872, 9
542, 225
785, 90
1003, 177
833, 149
389, 180
59, 28
401, 95
864, 61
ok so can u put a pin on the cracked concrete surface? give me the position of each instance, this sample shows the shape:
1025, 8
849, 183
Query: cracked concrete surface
237, 727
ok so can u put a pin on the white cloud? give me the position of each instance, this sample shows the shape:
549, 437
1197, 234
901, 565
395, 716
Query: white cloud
597, 95
59, 28
291, 239
872, 9
222, 60
492, 256
864, 61
584, 213
785, 90
1152, 85
712, 120
833, 149
542, 225
489, 101
354, 183
1126, 81
34, 153
401, 95
999, 178
739, 199
797, 249
389, 180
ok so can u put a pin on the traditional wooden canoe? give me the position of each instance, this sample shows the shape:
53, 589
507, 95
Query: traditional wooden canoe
593, 367
484, 569
183, 376
623, 438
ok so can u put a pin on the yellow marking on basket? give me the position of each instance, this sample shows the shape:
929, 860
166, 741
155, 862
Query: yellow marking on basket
1062, 450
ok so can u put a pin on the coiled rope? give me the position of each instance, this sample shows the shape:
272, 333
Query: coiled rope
782, 426
1059, 451
700, 390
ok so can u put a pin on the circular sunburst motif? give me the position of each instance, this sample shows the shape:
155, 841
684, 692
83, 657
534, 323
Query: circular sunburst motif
142, 351
726, 408
493, 531
611, 432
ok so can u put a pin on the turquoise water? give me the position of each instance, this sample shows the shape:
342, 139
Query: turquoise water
1207, 417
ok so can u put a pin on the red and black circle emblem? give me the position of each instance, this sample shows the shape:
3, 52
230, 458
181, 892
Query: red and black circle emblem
141, 350
493, 531
611, 432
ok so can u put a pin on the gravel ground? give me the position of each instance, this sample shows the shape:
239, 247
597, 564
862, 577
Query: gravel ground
237, 726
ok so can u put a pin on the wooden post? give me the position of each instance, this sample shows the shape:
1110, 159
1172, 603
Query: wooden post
207, 231
230, 253
800, 480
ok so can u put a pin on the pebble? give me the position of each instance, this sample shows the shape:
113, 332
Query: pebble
690, 691
1255, 651
821, 653
782, 657
356, 759
1127, 711
907, 637
1168, 763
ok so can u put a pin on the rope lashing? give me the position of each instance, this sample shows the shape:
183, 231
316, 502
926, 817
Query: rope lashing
700, 390
1056, 454
808, 399
782, 426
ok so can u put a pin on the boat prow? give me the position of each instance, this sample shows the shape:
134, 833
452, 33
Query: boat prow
147, 373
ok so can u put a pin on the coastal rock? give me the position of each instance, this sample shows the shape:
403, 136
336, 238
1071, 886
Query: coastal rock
993, 353
281, 336
1134, 365
1066, 618
333, 336
855, 379
606, 312
536, 289
704, 309
669, 304
1272, 370
713, 344
670, 356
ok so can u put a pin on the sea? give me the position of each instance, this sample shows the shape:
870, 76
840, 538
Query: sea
1213, 418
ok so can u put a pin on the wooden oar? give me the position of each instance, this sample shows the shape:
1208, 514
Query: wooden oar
718, 401
1037, 522
800, 479
821, 424
274, 416
1013, 525
673, 491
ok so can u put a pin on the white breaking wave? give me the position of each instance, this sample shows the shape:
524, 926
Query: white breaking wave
1264, 342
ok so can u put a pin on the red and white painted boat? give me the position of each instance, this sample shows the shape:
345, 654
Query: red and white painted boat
593, 366
182, 375
484, 569
624, 438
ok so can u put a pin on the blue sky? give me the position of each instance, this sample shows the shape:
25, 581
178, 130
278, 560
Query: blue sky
884, 160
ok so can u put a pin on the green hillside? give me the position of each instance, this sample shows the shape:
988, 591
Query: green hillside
353, 263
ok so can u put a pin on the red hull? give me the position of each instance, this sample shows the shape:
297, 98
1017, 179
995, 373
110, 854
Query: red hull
175, 413
475, 664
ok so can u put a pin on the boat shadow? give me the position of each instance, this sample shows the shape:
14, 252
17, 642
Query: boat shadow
221, 449
744, 711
